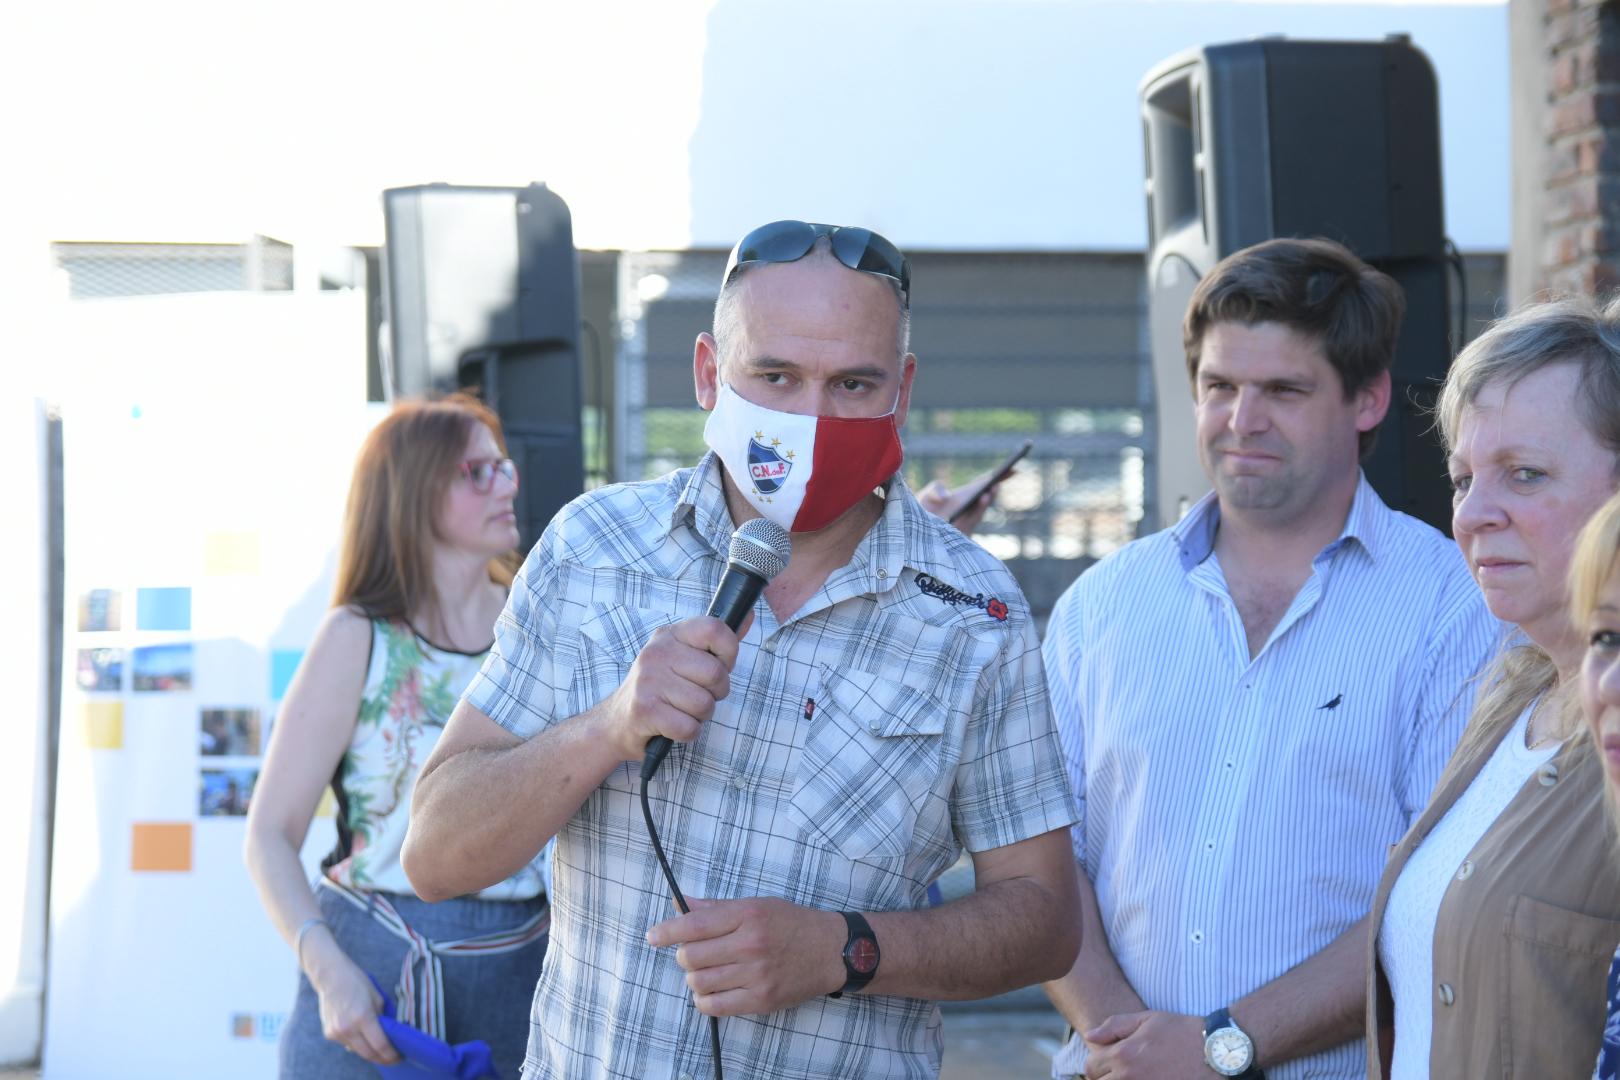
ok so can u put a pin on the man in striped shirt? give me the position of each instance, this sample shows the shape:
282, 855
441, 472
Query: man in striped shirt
884, 709
1256, 702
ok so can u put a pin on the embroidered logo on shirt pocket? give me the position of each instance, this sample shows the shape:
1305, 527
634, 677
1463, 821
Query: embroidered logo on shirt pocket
871, 756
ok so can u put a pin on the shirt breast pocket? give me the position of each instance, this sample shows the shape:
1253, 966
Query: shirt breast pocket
872, 755
606, 642
1552, 996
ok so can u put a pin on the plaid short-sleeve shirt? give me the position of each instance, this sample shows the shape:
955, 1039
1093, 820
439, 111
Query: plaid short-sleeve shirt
900, 716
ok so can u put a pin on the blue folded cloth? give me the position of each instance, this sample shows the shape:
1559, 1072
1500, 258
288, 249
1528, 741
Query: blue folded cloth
427, 1058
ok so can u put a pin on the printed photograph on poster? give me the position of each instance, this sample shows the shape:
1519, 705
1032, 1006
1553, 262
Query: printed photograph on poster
229, 732
99, 610
163, 667
163, 609
225, 792
101, 669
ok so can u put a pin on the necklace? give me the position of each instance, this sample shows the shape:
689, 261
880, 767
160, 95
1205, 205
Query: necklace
1530, 741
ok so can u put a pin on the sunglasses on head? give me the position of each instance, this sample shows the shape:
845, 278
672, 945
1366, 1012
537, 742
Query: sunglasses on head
481, 473
857, 248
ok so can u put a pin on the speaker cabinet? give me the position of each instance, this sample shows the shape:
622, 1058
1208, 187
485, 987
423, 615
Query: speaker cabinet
1272, 138
481, 291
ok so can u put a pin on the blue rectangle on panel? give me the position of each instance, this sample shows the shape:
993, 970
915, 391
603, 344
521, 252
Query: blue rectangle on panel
163, 609
283, 663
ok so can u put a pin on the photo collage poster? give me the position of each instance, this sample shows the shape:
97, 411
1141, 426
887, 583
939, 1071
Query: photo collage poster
199, 555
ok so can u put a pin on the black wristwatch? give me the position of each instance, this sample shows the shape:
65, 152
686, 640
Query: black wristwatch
861, 954
1227, 1048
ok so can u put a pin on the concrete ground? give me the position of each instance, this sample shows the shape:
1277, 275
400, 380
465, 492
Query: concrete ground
980, 1044
1001, 1044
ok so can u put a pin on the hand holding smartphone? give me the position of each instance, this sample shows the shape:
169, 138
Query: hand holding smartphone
1001, 473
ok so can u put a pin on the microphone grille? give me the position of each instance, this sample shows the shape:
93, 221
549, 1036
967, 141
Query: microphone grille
762, 547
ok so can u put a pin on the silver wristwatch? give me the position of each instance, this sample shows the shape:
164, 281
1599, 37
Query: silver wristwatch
1227, 1048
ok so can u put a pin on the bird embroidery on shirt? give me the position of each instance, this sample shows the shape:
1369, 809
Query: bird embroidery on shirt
1334, 704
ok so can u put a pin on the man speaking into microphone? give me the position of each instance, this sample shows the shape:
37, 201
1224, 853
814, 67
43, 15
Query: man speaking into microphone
883, 709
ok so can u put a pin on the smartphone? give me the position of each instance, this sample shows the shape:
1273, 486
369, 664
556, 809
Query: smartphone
996, 477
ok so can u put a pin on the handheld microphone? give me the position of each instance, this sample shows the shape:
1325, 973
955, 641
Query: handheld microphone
759, 550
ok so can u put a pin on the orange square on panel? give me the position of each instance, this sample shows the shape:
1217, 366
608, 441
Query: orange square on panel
161, 846
103, 724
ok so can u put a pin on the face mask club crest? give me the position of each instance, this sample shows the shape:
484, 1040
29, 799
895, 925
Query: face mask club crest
766, 468
802, 472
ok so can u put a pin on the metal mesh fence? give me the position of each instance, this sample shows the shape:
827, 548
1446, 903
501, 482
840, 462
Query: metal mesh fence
102, 270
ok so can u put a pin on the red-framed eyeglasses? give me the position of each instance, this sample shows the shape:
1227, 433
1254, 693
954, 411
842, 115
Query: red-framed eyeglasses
481, 473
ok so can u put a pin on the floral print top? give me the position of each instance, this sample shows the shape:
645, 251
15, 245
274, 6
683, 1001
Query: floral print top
411, 688
1608, 1065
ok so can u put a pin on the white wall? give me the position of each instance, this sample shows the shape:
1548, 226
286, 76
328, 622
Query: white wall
972, 124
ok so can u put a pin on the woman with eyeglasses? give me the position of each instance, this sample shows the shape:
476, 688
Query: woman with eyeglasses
1595, 602
425, 562
1498, 912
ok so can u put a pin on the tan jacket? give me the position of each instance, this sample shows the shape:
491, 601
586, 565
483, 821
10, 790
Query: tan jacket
1525, 935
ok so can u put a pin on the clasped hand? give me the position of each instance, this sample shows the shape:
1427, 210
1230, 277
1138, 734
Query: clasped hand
1147, 1046
758, 955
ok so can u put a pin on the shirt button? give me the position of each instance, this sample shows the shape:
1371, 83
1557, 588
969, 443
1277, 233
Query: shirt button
1466, 870
1446, 994
738, 782
882, 573
1547, 774
1197, 937
875, 728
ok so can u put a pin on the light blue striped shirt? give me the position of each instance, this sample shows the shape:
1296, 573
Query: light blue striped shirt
1236, 813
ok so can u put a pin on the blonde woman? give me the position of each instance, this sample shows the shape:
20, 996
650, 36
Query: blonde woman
1498, 912
1595, 603
425, 564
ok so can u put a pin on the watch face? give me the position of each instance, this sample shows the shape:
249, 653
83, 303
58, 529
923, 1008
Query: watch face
862, 955
1229, 1051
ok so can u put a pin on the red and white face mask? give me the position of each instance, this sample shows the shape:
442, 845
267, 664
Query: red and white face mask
802, 472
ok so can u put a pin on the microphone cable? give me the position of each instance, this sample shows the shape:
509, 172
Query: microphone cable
648, 767
759, 550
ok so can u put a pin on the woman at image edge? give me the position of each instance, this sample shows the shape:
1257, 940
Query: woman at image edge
1499, 910
426, 559
1595, 589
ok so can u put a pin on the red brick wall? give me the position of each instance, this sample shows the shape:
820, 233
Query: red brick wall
1581, 242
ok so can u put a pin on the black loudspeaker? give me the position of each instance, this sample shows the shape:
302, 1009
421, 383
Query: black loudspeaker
1261, 139
481, 288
